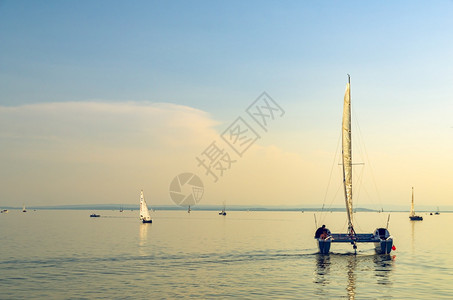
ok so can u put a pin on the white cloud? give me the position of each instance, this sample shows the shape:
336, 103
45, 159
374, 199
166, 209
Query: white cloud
95, 151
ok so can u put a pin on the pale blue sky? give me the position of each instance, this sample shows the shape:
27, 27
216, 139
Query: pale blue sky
217, 57
205, 53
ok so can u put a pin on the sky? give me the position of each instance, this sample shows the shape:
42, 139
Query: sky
100, 99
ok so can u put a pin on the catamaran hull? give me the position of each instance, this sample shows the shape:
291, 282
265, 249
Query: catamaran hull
381, 247
384, 246
324, 246
147, 221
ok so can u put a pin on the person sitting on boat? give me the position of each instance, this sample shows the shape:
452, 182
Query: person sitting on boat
320, 231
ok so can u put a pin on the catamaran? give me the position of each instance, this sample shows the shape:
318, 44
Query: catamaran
144, 212
412, 215
381, 238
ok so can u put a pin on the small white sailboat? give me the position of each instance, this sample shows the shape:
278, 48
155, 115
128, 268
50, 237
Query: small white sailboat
144, 212
223, 212
23, 208
412, 215
381, 238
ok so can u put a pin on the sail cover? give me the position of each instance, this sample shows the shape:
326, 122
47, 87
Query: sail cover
144, 213
347, 154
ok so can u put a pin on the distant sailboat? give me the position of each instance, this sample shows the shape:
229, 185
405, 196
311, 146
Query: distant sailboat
437, 212
188, 210
223, 212
412, 215
23, 208
381, 238
144, 212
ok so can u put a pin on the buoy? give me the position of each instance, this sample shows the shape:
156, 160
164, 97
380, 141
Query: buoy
393, 248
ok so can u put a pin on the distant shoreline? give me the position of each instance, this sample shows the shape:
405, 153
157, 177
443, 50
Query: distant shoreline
206, 208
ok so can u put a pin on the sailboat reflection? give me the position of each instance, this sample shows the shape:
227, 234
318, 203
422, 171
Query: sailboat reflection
383, 265
143, 235
330, 269
322, 269
413, 237
352, 264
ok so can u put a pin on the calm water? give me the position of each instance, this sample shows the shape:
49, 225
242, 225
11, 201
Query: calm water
67, 254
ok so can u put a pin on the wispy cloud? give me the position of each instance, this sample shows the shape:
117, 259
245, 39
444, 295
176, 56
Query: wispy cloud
96, 149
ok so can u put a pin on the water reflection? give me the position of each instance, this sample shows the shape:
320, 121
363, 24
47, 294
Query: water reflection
352, 264
322, 269
331, 270
383, 265
412, 236
143, 234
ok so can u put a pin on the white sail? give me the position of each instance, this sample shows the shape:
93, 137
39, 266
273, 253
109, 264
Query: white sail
347, 154
144, 212
412, 204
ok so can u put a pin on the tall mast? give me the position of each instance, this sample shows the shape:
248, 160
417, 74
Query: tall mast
347, 155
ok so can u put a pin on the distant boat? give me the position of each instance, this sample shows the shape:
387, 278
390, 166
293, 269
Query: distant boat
381, 238
23, 208
223, 212
4, 211
437, 212
93, 215
188, 210
121, 208
412, 215
144, 212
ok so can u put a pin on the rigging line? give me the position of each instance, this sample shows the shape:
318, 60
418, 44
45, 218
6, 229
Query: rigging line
340, 187
365, 154
344, 224
359, 183
357, 226
331, 171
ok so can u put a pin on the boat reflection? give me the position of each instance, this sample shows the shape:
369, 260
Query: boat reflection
413, 237
143, 234
351, 265
331, 269
322, 269
383, 266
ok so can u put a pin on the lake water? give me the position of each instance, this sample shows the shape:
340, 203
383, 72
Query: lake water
247, 255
